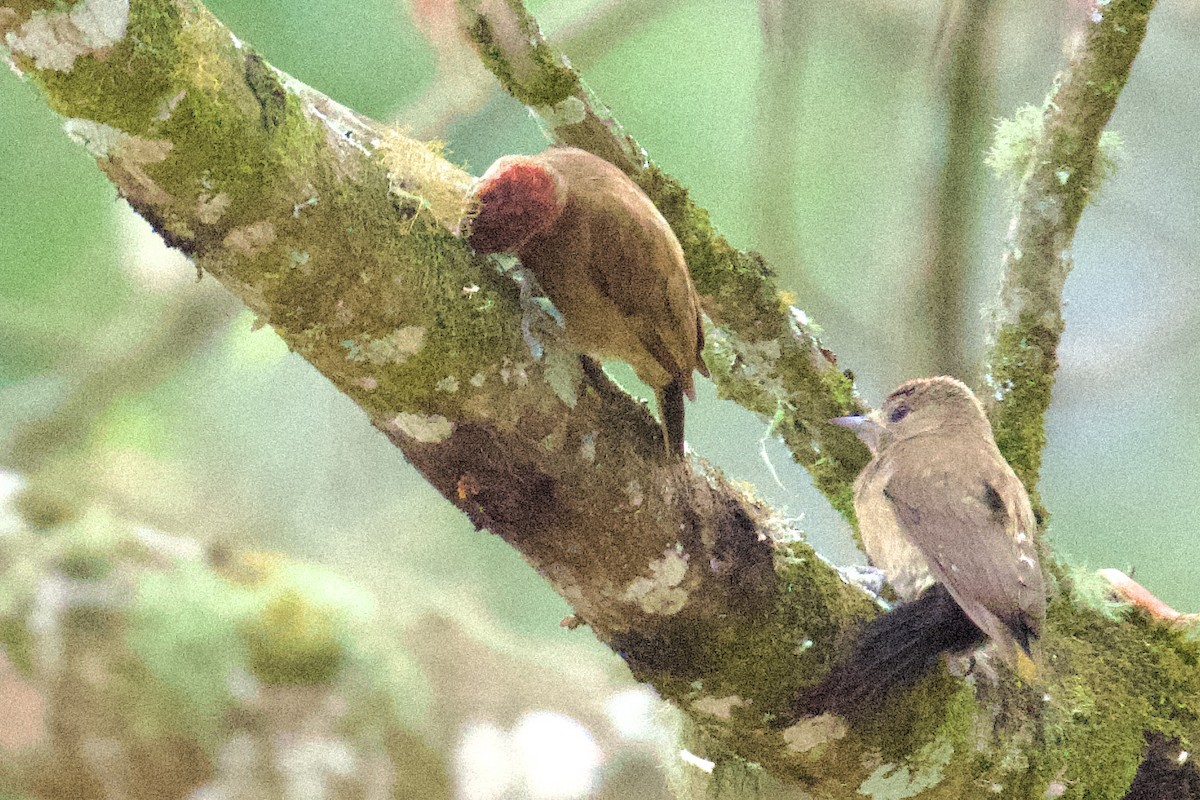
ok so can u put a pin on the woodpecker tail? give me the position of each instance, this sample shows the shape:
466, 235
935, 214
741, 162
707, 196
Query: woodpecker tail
670, 407
892, 651
1026, 658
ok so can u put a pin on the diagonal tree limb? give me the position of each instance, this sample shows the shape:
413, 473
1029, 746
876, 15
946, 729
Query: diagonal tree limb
1058, 176
335, 231
462, 85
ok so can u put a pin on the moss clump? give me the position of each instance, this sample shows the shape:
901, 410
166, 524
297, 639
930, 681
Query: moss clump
25, 8
292, 641
549, 82
1022, 372
840, 493
302, 624
938, 708
734, 776
234, 127
781, 658
1095, 725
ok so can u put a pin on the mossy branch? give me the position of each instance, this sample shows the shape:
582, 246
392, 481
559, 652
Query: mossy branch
1059, 165
336, 231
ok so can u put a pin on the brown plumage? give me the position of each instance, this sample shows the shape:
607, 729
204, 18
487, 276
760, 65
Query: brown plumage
607, 259
938, 503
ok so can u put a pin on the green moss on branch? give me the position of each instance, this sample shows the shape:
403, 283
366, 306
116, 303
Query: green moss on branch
1062, 165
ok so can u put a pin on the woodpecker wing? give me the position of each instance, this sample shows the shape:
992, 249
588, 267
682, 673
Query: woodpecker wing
641, 268
971, 519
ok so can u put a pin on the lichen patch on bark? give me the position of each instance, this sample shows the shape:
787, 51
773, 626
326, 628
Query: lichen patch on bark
661, 593
393, 348
54, 39
429, 428
813, 731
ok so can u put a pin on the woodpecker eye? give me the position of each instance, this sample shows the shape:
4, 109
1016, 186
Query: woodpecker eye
898, 413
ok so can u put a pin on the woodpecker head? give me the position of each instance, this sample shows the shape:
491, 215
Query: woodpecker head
517, 198
919, 406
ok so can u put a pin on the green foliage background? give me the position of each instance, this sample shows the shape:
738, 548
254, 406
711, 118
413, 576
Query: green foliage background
247, 444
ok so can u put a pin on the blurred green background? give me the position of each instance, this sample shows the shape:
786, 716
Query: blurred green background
822, 153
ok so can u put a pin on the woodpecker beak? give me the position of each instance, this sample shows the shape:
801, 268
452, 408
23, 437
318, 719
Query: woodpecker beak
866, 428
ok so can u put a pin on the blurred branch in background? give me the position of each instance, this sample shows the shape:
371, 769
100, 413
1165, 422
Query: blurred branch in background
967, 89
132, 354
140, 666
462, 85
1056, 155
778, 134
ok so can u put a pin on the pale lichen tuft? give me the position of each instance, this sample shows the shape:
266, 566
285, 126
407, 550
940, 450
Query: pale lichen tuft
1014, 144
419, 171
54, 39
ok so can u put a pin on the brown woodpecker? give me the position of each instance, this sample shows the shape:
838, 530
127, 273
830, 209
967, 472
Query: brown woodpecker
951, 526
606, 258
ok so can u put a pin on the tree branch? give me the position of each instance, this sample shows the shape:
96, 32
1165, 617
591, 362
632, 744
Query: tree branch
1057, 163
